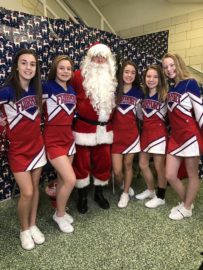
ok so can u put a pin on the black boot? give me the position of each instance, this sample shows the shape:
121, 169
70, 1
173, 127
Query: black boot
99, 198
82, 200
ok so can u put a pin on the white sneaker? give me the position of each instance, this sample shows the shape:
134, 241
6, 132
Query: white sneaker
124, 199
68, 218
155, 202
130, 191
180, 213
37, 235
63, 224
145, 195
180, 205
26, 240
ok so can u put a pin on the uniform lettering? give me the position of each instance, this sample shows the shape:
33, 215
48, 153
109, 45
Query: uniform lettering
64, 98
26, 103
127, 100
151, 104
174, 97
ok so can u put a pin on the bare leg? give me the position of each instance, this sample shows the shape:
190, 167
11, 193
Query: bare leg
128, 171
66, 182
35, 199
146, 171
172, 167
159, 163
191, 164
71, 158
24, 182
117, 163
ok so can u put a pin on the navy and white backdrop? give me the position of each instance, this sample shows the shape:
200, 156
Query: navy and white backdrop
51, 37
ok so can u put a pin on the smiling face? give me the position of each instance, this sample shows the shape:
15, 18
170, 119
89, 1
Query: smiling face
26, 67
169, 68
63, 71
129, 74
152, 79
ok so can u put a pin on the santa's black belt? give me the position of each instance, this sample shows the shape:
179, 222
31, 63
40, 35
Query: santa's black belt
92, 122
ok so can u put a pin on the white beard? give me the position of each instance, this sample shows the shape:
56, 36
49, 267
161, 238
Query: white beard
100, 85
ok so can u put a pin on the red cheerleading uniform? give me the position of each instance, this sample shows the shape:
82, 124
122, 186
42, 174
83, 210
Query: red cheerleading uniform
26, 146
154, 133
1, 133
185, 111
126, 135
59, 109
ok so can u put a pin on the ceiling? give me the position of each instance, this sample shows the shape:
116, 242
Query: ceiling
186, 1
126, 14
102, 3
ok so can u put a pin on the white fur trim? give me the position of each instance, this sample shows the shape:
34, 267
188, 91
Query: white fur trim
98, 182
103, 116
81, 183
103, 136
92, 139
99, 49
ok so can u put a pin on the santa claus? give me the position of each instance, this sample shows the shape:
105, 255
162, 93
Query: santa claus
95, 85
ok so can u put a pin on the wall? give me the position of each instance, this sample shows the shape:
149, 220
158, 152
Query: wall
144, 16
132, 13
35, 7
185, 36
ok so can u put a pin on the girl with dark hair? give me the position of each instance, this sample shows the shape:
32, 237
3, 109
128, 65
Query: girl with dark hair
185, 111
126, 136
21, 98
59, 106
153, 135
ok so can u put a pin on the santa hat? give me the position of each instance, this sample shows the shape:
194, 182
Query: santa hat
99, 49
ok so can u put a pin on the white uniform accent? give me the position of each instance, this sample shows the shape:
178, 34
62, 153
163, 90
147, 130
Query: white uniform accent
188, 149
134, 147
156, 147
38, 161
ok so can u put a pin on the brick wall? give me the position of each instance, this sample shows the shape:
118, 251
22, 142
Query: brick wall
185, 36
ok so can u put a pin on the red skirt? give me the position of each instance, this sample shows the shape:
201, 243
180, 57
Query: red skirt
26, 155
59, 141
125, 141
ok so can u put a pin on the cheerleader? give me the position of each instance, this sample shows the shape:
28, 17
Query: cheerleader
153, 135
59, 106
126, 140
185, 111
21, 98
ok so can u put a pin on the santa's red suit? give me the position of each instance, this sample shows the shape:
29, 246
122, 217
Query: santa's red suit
92, 137
92, 129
